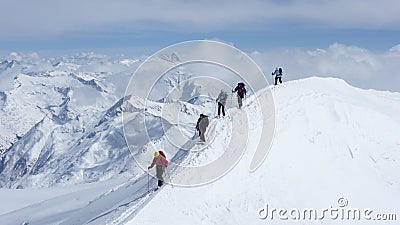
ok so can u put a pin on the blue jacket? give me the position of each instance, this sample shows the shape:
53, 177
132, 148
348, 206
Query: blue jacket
276, 73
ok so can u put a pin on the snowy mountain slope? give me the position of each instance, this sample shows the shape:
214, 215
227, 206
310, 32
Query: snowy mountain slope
60, 119
47, 115
124, 199
38, 89
332, 140
51, 205
74, 135
124, 202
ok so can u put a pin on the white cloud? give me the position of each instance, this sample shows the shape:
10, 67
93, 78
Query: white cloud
14, 56
49, 17
358, 66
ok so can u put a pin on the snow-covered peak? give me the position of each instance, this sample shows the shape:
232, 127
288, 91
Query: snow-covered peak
332, 140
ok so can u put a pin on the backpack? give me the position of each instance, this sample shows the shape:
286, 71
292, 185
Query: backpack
240, 88
280, 71
162, 153
163, 158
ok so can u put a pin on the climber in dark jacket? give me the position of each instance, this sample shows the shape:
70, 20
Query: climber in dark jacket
201, 126
241, 93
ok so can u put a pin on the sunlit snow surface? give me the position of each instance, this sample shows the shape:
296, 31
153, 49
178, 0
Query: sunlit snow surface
63, 144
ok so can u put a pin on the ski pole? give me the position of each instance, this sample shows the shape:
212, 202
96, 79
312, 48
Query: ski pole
148, 181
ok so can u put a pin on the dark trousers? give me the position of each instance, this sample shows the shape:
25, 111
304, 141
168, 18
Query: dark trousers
240, 101
159, 175
276, 80
221, 106
201, 134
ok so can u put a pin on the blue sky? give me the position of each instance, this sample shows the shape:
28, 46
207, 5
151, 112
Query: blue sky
254, 24
379, 40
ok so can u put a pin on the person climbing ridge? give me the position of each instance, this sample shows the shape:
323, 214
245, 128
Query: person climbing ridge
241, 93
161, 163
278, 75
221, 100
201, 126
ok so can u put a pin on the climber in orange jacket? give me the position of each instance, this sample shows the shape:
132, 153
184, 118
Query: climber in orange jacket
161, 163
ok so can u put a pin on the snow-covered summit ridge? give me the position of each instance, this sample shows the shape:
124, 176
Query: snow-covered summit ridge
332, 140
